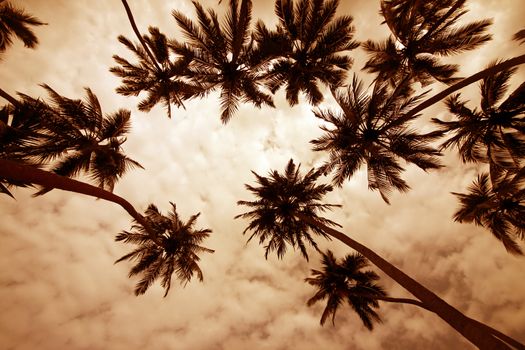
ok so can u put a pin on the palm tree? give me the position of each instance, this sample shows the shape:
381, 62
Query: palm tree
279, 197
494, 133
177, 252
14, 171
501, 211
361, 133
340, 282
223, 56
421, 32
15, 22
162, 79
81, 138
309, 46
285, 212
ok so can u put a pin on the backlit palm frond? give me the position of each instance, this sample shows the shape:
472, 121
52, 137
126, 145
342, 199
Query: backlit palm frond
340, 281
178, 252
367, 131
314, 43
499, 211
16, 22
280, 198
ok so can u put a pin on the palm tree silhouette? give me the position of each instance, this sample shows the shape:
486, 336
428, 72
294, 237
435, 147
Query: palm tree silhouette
345, 281
81, 138
494, 133
285, 211
163, 79
223, 56
361, 133
308, 46
15, 22
279, 196
422, 32
177, 252
500, 209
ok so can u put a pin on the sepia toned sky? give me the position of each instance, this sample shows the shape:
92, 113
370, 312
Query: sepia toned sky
59, 288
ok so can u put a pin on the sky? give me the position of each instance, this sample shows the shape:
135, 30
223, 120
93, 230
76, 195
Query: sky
59, 288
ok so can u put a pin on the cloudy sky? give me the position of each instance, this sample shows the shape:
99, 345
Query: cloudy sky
59, 288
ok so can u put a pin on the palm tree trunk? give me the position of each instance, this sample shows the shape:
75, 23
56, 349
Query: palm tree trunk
516, 61
507, 339
15, 171
139, 36
9, 98
461, 323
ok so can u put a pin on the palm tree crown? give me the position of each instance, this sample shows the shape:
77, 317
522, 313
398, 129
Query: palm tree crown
279, 199
15, 22
501, 209
365, 131
163, 80
222, 55
421, 32
338, 282
81, 138
309, 45
494, 133
178, 252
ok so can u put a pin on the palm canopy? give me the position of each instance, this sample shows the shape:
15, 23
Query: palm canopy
338, 282
495, 132
177, 253
80, 138
280, 198
365, 131
501, 209
15, 22
422, 31
222, 55
309, 46
162, 80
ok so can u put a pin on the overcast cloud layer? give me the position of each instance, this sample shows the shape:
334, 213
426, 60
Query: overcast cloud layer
59, 288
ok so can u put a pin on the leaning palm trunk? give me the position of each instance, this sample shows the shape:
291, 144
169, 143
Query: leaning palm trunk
18, 172
505, 65
467, 327
507, 339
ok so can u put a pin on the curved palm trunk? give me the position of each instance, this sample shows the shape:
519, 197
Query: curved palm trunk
15, 171
516, 61
139, 36
507, 339
461, 323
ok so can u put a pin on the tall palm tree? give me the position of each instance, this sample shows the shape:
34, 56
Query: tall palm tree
494, 133
16, 172
279, 197
346, 282
361, 133
15, 22
177, 252
286, 209
501, 211
309, 46
223, 56
82, 139
422, 31
163, 79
